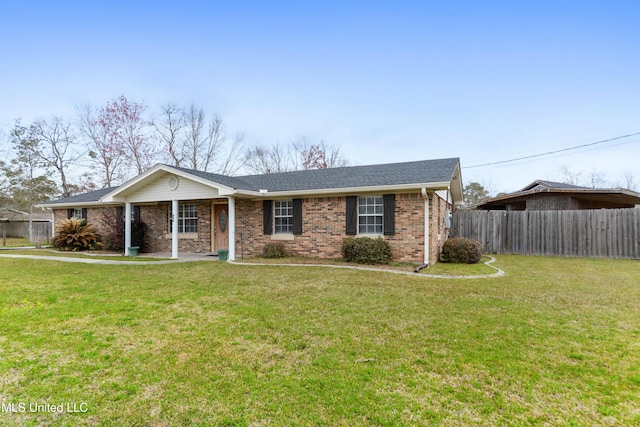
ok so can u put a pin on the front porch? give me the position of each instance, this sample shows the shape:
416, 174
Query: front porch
183, 213
202, 227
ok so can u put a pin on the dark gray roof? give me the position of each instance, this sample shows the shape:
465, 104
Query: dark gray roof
541, 184
91, 196
418, 172
390, 174
229, 181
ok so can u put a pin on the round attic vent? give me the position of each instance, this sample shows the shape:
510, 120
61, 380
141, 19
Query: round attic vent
173, 182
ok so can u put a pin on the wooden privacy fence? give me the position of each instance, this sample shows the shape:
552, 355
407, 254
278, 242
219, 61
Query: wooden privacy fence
604, 233
40, 230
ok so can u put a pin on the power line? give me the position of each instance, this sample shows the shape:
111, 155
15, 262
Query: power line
552, 152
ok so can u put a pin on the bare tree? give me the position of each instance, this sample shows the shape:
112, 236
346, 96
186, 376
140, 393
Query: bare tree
104, 148
169, 127
204, 139
298, 154
273, 159
57, 149
629, 181
4, 169
124, 120
320, 155
569, 176
232, 158
194, 141
597, 179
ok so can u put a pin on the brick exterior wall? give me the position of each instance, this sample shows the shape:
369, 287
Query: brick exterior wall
158, 237
95, 217
437, 226
323, 228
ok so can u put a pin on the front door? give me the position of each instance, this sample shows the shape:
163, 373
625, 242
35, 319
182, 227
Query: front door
220, 227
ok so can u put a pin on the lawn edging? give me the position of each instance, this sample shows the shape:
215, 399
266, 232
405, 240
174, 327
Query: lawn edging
488, 263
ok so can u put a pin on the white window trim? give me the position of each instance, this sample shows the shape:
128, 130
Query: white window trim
282, 233
77, 213
370, 234
182, 233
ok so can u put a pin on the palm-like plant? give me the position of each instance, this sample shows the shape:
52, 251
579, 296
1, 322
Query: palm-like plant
76, 235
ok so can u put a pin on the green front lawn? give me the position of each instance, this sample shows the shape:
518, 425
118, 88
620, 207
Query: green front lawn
12, 242
554, 342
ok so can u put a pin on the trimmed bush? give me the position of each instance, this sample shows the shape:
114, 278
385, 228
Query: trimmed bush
76, 235
274, 250
365, 250
461, 251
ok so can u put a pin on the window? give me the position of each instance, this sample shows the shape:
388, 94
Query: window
370, 215
187, 219
78, 213
283, 216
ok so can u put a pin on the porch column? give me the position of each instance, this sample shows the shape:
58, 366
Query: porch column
174, 229
232, 228
127, 227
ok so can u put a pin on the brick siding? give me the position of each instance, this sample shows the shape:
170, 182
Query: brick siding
323, 228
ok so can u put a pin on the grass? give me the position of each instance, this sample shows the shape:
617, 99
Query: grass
405, 266
554, 342
442, 268
439, 268
14, 242
90, 255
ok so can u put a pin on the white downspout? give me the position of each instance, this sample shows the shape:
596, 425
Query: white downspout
127, 227
232, 228
425, 195
174, 229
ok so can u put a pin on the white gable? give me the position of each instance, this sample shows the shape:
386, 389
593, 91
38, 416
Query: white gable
167, 186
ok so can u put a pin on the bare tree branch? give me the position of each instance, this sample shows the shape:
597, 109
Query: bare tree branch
170, 127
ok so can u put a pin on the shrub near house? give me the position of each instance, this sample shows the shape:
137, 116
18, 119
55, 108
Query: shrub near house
76, 235
365, 250
462, 251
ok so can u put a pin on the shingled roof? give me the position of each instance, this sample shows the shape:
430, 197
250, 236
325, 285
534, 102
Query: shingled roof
418, 172
541, 185
439, 171
89, 197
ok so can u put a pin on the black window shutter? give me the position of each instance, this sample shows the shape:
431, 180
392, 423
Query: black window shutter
297, 216
352, 216
69, 213
136, 213
84, 213
267, 217
389, 213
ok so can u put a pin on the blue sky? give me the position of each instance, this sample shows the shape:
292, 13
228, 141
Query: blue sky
385, 81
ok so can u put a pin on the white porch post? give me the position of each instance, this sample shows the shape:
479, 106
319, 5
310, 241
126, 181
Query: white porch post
127, 227
174, 229
232, 228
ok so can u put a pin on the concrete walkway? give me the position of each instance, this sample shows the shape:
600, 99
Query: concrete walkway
208, 257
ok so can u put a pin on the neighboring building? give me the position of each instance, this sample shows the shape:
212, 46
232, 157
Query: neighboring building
552, 196
15, 223
311, 212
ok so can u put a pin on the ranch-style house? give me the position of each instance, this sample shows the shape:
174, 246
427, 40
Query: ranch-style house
188, 211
